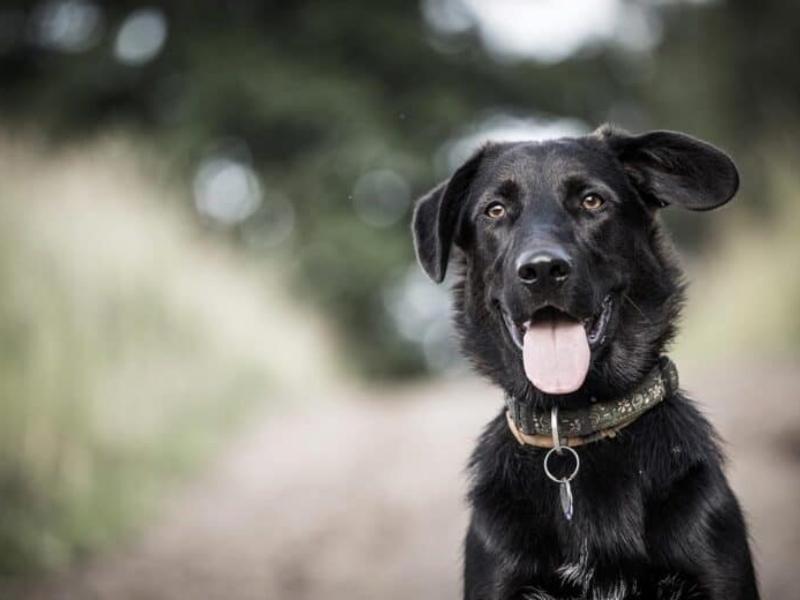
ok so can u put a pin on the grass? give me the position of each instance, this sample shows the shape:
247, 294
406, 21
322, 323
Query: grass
131, 345
744, 293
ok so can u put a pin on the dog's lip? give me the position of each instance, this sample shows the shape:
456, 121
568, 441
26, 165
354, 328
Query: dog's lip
595, 325
516, 332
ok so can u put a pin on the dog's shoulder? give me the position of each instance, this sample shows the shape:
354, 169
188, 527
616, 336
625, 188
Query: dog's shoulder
673, 441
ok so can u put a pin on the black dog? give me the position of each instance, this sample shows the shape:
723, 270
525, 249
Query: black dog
567, 294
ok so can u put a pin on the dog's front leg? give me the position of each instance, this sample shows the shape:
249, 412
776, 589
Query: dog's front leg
703, 534
728, 572
479, 568
493, 575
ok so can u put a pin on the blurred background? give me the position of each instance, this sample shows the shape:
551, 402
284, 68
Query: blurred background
221, 372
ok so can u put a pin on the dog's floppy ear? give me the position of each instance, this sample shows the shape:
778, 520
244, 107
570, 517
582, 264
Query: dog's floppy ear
673, 168
436, 217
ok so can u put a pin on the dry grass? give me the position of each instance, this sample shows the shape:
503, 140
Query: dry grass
131, 344
744, 294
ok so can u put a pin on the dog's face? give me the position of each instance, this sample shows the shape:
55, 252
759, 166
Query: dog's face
567, 286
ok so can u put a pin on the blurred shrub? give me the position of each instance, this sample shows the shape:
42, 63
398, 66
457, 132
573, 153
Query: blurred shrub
129, 349
745, 290
293, 109
315, 99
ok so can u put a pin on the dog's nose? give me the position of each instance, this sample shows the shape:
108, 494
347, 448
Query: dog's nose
543, 268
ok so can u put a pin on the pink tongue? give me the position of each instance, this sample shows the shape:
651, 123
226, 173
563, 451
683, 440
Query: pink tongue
556, 356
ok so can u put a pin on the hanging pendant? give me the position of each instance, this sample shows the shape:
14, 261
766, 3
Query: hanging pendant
566, 498
564, 486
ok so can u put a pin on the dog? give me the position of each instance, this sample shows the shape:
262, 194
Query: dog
600, 478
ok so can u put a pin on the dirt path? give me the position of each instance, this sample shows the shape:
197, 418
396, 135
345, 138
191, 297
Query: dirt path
364, 499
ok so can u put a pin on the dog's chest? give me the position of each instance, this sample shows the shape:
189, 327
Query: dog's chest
608, 510
600, 553
606, 550
601, 572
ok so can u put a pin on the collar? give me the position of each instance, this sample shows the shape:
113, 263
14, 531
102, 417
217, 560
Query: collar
598, 420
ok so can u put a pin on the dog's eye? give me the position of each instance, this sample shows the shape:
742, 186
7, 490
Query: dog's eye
592, 201
495, 211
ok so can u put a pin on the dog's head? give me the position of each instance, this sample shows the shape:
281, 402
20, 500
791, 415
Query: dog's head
567, 287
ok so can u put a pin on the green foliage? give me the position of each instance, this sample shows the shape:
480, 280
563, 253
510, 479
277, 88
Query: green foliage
321, 93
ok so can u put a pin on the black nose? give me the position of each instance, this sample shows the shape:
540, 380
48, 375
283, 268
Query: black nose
543, 268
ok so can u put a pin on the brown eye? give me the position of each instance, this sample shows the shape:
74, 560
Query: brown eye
495, 211
592, 202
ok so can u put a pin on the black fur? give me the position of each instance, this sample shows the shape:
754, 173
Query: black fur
654, 515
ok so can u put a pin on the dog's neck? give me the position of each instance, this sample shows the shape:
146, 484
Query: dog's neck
598, 419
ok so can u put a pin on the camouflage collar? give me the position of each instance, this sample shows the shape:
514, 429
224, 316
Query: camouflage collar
596, 421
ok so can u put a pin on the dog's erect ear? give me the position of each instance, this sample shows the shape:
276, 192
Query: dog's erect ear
436, 218
674, 168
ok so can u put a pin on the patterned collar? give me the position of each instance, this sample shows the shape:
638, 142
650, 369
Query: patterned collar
598, 420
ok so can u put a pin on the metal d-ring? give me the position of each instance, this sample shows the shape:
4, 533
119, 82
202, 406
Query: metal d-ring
558, 449
572, 475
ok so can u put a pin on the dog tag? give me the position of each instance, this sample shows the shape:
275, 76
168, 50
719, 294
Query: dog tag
564, 487
565, 492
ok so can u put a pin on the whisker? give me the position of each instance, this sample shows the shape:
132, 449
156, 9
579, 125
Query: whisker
634, 305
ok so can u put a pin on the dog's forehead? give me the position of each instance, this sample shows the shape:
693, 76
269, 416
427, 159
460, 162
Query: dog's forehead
550, 161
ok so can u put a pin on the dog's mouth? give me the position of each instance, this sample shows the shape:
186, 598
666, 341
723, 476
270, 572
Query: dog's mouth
595, 325
556, 347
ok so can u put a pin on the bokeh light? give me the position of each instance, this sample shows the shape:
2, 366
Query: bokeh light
381, 197
67, 25
547, 30
141, 36
226, 190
